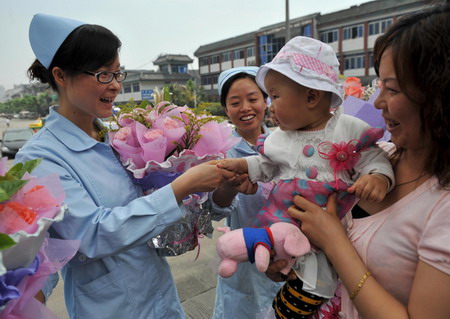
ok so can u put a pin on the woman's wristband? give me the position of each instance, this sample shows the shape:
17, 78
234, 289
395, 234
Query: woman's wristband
360, 284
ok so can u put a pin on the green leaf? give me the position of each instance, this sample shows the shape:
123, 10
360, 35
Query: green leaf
3, 195
167, 95
20, 169
6, 241
10, 187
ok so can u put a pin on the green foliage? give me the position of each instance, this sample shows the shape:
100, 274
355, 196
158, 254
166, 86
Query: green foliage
38, 104
214, 108
6, 241
9, 185
12, 181
192, 124
189, 94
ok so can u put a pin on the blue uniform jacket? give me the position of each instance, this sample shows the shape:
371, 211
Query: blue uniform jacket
115, 274
248, 292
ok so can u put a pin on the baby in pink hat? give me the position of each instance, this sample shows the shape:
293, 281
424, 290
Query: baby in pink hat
316, 151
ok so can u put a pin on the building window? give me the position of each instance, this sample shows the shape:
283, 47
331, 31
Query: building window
250, 52
182, 68
215, 78
269, 47
226, 56
306, 30
385, 24
377, 27
329, 36
238, 54
206, 80
371, 60
136, 87
353, 32
214, 59
164, 68
178, 69
203, 61
354, 62
127, 88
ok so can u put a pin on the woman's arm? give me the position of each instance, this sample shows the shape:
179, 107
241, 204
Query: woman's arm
430, 292
201, 178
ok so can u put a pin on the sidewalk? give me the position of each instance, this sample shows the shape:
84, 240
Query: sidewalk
195, 279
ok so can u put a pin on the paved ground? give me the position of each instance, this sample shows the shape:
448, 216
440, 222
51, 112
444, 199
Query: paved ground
195, 279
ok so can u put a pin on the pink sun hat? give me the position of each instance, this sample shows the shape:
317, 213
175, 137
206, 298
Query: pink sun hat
310, 63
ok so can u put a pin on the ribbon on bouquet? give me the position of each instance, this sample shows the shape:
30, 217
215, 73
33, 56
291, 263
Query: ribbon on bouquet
156, 179
195, 233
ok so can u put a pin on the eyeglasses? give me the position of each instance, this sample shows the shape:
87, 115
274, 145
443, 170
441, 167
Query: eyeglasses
106, 77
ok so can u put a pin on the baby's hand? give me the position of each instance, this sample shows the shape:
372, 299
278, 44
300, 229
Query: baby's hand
235, 165
242, 184
370, 187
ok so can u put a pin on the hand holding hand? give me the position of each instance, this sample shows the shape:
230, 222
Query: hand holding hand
242, 184
236, 165
371, 187
205, 177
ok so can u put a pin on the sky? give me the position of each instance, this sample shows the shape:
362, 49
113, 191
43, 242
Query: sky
147, 28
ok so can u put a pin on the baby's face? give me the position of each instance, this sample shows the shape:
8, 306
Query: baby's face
289, 100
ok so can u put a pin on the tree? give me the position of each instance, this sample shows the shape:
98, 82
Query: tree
36, 104
189, 94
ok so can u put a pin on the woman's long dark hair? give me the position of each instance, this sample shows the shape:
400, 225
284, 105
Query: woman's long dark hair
420, 45
87, 48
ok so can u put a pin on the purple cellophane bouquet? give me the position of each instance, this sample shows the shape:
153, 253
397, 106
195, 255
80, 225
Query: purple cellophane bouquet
28, 207
159, 143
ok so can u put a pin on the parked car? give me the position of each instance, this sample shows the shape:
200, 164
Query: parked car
13, 139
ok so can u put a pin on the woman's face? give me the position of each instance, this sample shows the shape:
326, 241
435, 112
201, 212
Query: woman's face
245, 105
400, 114
87, 97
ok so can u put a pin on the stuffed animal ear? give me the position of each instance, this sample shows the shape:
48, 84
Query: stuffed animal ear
262, 258
227, 268
296, 244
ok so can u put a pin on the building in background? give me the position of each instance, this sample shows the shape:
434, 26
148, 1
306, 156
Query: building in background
22, 90
141, 84
351, 32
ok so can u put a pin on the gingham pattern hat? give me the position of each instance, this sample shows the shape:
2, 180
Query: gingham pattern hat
47, 33
308, 62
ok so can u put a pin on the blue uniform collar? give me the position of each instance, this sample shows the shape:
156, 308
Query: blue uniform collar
67, 132
243, 146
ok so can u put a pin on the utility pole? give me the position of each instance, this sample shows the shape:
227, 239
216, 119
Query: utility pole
288, 31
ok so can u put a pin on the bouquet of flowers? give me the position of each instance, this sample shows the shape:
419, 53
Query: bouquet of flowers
359, 102
157, 143
28, 206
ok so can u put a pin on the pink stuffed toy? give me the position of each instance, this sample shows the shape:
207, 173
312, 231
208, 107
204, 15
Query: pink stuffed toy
254, 244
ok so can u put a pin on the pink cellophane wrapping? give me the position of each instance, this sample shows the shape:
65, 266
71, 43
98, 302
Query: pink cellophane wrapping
174, 164
47, 203
53, 254
146, 151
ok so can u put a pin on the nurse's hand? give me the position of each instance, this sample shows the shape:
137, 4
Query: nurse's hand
205, 177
